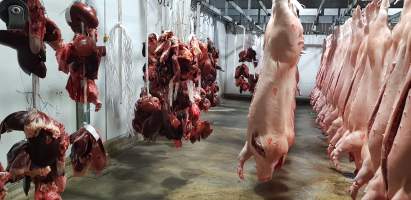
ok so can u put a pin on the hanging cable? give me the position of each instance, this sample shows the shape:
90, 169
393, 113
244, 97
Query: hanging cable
244, 38
147, 79
121, 91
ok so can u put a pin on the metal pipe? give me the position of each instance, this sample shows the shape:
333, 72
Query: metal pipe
35, 83
241, 11
263, 7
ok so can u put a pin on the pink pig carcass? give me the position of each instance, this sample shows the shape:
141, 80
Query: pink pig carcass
270, 131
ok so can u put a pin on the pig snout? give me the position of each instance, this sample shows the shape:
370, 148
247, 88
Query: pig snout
269, 155
265, 169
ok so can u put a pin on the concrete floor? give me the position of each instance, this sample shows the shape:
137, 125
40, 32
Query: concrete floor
207, 170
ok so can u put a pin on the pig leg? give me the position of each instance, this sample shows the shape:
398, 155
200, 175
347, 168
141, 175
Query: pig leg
351, 143
244, 155
375, 189
335, 125
321, 115
363, 177
329, 119
334, 140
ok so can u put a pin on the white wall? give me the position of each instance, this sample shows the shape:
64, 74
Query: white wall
134, 21
308, 65
235, 44
180, 19
55, 101
14, 83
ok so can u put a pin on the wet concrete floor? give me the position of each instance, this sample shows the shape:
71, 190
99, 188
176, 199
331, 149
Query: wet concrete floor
207, 170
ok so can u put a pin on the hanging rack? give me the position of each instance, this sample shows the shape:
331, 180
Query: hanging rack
85, 111
105, 40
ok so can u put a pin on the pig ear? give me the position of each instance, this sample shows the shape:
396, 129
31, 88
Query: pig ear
280, 163
257, 144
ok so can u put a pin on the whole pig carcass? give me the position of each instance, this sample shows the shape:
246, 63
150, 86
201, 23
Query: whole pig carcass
81, 57
41, 157
270, 131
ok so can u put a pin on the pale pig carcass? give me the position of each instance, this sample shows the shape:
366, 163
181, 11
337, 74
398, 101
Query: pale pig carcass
270, 131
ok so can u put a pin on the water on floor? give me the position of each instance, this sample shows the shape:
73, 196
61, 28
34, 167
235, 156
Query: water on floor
207, 170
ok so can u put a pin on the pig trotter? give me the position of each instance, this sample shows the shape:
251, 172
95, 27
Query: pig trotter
335, 155
354, 190
244, 155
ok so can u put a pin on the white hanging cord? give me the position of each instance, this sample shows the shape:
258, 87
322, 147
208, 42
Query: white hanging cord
243, 37
235, 48
35, 82
147, 81
120, 47
121, 87
105, 40
84, 81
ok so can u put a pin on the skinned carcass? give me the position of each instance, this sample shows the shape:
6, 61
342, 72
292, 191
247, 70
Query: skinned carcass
377, 48
244, 80
29, 39
371, 126
270, 131
81, 57
41, 157
248, 55
87, 151
388, 138
181, 81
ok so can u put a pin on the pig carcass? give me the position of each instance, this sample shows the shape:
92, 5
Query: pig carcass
378, 44
392, 178
270, 131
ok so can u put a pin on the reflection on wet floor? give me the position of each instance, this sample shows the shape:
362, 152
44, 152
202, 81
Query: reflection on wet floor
207, 170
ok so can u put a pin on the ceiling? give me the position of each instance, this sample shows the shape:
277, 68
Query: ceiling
259, 18
308, 3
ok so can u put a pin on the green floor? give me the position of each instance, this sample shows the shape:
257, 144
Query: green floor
207, 170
